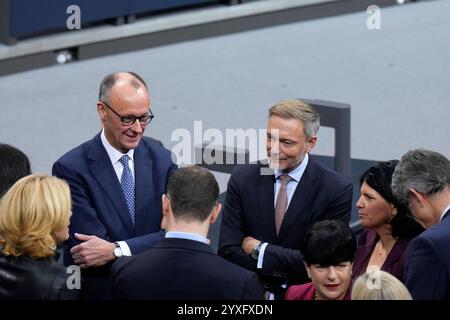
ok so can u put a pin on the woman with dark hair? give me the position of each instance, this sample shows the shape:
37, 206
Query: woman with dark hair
328, 249
389, 227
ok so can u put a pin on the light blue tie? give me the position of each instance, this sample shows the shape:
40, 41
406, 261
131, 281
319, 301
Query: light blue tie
127, 183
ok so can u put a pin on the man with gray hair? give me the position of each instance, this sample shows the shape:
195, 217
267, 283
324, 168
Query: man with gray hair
267, 212
116, 180
422, 181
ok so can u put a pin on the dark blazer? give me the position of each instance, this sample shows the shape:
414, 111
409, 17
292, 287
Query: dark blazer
181, 269
427, 267
395, 261
249, 211
24, 278
99, 206
307, 291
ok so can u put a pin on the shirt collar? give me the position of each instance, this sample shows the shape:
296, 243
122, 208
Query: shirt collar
445, 211
113, 153
187, 235
297, 173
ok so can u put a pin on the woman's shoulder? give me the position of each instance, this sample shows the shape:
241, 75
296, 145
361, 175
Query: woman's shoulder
300, 292
367, 237
63, 282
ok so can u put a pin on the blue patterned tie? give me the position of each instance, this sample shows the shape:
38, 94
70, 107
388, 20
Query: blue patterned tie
127, 183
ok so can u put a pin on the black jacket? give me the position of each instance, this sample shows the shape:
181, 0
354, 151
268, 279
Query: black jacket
181, 269
33, 279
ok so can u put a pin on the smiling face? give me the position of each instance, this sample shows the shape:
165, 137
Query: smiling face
126, 100
332, 282
287, 143
374, 210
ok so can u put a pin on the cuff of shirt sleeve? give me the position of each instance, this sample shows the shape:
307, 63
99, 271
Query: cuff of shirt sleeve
261, 255
125, 248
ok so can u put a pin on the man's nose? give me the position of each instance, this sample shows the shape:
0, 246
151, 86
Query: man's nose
137, 127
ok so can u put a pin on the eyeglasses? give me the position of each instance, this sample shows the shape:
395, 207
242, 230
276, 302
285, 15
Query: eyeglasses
130, 120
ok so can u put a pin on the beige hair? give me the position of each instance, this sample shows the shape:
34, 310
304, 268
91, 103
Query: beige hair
300, 110
34, 208
379, 285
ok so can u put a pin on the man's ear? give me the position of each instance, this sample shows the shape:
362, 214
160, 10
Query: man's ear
215, 212
416, 196
101, 110
165, 211
165, 205
311, 143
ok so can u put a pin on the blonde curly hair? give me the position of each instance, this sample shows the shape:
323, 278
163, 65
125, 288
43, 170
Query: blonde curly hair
30, 212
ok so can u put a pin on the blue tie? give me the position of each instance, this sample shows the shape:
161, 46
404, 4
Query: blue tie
127, 183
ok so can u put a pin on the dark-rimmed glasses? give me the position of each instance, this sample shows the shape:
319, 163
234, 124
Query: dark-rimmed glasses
130, 120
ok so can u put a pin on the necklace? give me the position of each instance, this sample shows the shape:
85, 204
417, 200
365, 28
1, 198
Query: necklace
382, 251
316, 296
379, 254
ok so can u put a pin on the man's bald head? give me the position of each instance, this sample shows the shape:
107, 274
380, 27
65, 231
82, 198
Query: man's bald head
112, 79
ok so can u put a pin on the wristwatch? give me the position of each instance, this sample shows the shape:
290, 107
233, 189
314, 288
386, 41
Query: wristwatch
256, 250
117, 250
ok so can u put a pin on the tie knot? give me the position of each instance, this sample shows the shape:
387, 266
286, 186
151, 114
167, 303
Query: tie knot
284, 179
124, 160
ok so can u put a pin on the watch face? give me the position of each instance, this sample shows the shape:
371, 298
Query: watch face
255, 253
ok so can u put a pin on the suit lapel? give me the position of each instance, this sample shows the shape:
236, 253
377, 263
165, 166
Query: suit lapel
446, 215
102, 170
301, 205
394, 256
265, 185
144, 185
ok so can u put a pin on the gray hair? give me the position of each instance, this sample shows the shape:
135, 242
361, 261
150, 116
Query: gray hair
111, 79
300, 110
426, 171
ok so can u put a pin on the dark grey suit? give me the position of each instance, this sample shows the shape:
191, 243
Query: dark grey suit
249, 211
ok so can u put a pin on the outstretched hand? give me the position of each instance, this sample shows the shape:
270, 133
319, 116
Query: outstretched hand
93, 252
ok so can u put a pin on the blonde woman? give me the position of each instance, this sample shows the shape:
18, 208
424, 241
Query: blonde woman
34, 218
379, 285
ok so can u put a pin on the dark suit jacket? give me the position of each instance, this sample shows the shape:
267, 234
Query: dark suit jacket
427, 267
395, 261
181, 269
99, 206
249, 211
